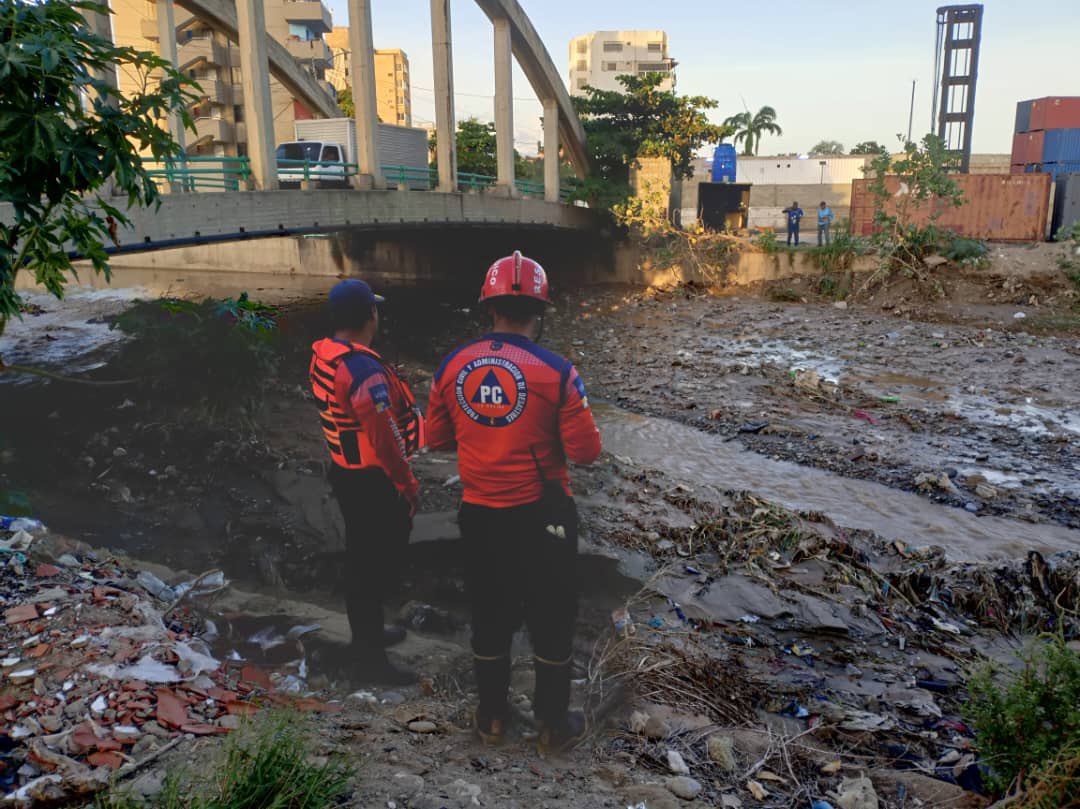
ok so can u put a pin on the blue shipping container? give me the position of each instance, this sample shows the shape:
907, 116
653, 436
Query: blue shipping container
1023, 116
1057, 169
723, 166
1061, 146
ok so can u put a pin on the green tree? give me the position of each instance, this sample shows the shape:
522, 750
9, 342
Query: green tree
828, 147
476, 151
750, 127
66, 135
643, 121
345, 103
869, 147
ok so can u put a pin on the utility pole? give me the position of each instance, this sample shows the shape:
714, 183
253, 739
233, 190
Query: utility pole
911, 115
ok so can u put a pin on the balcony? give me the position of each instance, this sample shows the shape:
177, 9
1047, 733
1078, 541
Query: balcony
148, 26
313, 52
311, 13
214, 91
217, 130
201, 49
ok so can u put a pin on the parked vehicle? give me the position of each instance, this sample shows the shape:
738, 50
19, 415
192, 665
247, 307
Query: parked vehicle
324, 153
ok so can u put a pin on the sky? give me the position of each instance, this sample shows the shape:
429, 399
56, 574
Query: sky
833, 69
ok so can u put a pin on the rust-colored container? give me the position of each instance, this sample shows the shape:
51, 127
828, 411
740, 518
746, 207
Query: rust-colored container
1056, 112
1016, 168
999, 207
1028, 147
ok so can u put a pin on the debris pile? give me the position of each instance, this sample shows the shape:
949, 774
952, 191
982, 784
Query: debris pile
98, 677
825, 653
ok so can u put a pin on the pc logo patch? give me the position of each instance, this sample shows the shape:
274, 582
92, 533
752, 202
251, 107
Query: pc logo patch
491, 391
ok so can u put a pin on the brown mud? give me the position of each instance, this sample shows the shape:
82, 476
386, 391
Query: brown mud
897, 423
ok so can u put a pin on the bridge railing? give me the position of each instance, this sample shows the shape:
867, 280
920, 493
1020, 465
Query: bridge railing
200, 173
220, 173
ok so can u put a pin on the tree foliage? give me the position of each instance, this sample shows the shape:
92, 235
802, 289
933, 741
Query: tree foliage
827, 147
345, 102
869, 147
924, 173
749, 128
66, 135
644, 121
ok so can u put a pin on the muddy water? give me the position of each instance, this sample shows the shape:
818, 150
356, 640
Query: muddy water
700, 459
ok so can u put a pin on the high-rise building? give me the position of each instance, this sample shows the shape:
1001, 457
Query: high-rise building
597, 58
393, 98
209, 58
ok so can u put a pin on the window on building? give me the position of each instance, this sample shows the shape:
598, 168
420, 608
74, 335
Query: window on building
656, 47
612, 47
238, 113
582, 83
582, 46
582, 64
653, 67
611, 66
236, 76
301, 32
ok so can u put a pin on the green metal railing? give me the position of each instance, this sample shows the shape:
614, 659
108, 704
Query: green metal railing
200, 173
210, 173
411, 176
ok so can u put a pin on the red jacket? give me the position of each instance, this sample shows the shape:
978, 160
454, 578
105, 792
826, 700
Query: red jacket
365, 411
516, 413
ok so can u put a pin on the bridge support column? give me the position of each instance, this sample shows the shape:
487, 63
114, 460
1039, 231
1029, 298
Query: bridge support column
166, 20
504, 106
445, 126
361, 43
551, 150
251, 36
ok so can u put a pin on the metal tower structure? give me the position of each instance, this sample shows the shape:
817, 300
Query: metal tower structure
956, 70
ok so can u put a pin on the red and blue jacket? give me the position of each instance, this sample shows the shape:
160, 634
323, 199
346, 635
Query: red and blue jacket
368, 413
516, 413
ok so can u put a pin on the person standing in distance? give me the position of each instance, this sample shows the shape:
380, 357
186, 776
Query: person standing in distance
794, 218
372, 427
824, 222
517, 413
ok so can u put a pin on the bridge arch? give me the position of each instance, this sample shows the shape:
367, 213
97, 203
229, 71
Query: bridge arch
527, 47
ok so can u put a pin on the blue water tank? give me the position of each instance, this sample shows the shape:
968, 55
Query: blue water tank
723, 165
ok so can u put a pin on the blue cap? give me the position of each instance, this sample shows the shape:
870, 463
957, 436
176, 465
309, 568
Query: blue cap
352, 297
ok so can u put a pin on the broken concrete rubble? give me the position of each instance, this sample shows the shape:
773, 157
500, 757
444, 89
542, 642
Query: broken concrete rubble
96, 678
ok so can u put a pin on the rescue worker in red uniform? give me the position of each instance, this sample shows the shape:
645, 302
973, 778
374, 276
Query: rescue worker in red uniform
516, 413
372, 428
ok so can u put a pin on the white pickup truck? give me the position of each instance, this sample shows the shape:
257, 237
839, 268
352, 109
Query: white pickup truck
322, 163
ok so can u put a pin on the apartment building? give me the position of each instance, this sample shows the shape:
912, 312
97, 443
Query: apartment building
392, 94
209, 58
597, 58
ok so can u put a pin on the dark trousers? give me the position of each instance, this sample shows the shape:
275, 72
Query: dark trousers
823, 230
516, 571
377, 526
793, 230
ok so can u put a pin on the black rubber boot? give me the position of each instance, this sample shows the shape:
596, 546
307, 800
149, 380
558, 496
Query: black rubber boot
562, 734
493, 683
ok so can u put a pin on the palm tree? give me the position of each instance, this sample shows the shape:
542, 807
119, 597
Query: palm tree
750, 128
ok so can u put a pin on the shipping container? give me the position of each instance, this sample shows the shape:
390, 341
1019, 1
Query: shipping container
1059, 146
1061, 112
1066, 204
1001, 207
1028, 147
1057, 169
1023, 116
725, 164
1016, 168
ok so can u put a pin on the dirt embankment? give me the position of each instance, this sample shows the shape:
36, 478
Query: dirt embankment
809, 652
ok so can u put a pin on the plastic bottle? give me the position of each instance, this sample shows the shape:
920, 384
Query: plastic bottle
14, 524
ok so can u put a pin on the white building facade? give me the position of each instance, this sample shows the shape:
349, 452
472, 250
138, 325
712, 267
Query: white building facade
597, 58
